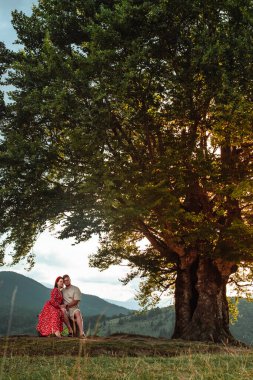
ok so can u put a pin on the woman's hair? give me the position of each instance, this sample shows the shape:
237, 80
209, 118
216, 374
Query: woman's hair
56, 281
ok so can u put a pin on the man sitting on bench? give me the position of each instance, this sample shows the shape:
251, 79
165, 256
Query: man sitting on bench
71, 298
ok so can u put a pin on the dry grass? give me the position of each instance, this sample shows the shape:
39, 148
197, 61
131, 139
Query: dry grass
116, 345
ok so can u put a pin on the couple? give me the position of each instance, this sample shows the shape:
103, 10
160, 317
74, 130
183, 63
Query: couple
63, 304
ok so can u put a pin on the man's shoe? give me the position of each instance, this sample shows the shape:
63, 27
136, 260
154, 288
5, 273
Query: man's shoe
83, 336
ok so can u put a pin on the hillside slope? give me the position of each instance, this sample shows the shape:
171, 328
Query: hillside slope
159, 323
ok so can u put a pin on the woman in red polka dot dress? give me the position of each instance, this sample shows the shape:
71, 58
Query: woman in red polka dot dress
51, 317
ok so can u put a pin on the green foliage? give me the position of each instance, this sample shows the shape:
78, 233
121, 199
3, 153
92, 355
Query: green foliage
131, 119
233, 309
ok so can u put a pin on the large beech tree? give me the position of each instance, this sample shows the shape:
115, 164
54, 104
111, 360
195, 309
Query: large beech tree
133, 119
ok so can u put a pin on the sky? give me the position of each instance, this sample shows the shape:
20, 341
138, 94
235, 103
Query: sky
56, 257
7, 32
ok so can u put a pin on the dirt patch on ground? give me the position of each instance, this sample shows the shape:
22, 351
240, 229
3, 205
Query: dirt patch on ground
118, 345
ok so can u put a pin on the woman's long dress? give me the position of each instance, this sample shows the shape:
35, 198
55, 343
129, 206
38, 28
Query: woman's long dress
51, 316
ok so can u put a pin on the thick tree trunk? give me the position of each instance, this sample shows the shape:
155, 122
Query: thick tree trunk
200, 301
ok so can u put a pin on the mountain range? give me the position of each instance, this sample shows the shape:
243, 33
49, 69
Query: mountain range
132, 304
159, 322
23, 298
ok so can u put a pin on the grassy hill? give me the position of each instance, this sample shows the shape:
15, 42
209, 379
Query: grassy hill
160, 323
156, 323
22, 299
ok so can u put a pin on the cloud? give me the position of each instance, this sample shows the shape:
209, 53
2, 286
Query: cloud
56, 257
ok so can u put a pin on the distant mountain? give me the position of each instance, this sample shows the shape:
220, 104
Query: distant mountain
159, 322
242, 329
132, 304
129, 304
21, 292
23, 298
47, 285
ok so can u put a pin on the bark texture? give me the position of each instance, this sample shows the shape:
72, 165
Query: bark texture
201, 305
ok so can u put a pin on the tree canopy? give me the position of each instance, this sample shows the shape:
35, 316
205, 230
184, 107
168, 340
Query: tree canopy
132, 119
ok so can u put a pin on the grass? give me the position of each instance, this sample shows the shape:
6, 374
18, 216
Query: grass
121, 357
197, 367
116, 345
